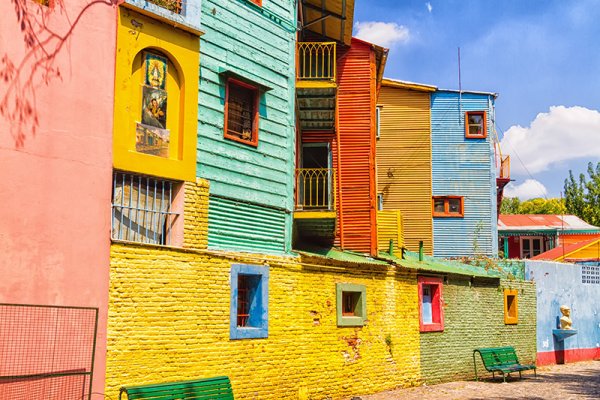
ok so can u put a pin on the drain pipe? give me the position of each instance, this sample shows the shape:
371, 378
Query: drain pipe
420, 250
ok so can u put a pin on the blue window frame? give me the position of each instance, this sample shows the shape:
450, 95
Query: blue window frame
249, 317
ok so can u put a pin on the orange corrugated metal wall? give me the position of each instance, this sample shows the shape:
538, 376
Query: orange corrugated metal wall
404, 161
356, 111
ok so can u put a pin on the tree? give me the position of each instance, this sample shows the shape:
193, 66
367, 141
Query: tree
533, 206
510, 205
582, 197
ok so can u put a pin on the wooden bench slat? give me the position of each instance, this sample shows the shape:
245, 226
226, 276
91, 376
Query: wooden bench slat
501, 359
217, 388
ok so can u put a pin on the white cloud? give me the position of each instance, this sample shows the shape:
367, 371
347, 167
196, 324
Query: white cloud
429, 6
386, 34
529, 189
553, 138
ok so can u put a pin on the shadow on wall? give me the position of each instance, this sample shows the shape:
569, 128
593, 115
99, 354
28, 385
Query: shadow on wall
41, 45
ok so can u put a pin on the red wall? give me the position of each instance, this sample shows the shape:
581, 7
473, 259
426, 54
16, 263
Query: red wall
356, 104
56, 174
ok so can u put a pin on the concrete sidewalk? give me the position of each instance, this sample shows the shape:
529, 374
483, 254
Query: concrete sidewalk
564, 382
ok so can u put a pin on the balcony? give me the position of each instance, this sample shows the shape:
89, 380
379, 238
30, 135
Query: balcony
316, 86
316, 63
502, 180
315, 191
315, 216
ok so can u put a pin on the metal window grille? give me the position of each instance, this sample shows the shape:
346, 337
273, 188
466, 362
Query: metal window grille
590, 274
47, 352
240, 112
142, 209
172, 5
243, 311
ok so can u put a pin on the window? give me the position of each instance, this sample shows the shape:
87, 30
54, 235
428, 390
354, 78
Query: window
511, 307
142, 209
431, 314
531, 246
590, 274
475, 126
379, 201
378, 122
171, 5
448, 206
241, 112
351, 304
249, 301
257, 2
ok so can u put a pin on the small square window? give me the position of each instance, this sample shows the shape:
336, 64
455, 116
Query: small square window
431, 314
241, 112
448, 206
351, 304
249, 302
475, 125
511, 307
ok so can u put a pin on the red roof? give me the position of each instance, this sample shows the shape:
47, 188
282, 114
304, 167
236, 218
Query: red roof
542, 221
559, 251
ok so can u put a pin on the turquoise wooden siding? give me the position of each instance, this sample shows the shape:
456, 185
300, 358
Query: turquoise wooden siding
245, 227
463, 167
250, 42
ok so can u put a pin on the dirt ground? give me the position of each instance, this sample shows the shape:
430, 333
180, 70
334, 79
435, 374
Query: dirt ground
564, 382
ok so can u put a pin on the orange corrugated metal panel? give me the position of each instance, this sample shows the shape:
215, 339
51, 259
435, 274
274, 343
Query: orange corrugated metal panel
577, 238
356, 111
404, 161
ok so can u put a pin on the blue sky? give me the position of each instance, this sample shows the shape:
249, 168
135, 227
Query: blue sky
542, 57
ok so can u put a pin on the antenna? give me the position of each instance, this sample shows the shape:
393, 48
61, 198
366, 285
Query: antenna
459, 88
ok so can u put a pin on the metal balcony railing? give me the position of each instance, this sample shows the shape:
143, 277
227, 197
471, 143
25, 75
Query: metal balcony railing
315, 189
505, 168
315, 61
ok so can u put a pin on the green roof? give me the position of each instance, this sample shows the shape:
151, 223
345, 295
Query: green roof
411, 261
438, 265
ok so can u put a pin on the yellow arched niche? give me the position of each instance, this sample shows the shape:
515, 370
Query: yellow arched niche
137, 35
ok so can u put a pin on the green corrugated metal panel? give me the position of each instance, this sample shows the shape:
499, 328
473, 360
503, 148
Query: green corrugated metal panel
243, 40
239, 226
432, 264
341, 255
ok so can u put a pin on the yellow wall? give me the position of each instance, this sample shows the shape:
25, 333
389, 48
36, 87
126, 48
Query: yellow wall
169, 320
136, 33
404, 161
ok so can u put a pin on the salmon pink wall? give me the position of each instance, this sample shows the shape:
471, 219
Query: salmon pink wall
56, 173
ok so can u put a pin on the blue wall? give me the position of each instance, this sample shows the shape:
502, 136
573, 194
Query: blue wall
463, 167
559, 284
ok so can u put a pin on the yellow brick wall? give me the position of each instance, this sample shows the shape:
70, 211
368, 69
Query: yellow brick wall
169, 320
195, 215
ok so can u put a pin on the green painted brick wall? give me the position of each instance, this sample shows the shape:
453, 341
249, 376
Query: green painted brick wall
474, 317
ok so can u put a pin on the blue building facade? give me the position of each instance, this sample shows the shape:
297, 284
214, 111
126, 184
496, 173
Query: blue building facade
464, 204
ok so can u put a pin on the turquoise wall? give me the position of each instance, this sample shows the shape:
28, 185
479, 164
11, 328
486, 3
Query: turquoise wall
463, 167
257, 44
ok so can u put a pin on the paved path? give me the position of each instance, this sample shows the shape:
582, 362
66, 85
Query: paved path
562, 382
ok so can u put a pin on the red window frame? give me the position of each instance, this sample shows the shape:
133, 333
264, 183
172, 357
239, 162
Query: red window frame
468, 133
243, 311
254, 137
257, 2
447, 213
349, 302
437, 301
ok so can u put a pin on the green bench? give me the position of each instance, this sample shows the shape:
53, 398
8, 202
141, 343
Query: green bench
218, 388
501, 359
